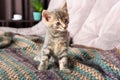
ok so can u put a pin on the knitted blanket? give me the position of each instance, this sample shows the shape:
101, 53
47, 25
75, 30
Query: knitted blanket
17, 53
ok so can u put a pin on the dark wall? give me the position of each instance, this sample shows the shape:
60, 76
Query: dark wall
2, 9
10, 7
45, 3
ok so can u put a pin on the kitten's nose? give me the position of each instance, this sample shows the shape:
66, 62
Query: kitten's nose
64, 26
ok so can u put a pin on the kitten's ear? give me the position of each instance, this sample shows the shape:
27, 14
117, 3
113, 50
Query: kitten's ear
46, 15
64, 7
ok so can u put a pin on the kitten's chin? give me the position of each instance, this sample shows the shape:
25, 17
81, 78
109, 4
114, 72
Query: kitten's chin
62, 30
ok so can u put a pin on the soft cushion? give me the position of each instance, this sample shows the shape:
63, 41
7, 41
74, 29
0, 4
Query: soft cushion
101, 27
78, 12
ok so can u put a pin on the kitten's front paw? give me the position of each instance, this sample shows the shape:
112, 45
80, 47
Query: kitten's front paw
66, 70
43, 63
36, 58
42, 67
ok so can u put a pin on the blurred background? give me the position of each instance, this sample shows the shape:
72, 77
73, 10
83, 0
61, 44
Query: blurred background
23, 7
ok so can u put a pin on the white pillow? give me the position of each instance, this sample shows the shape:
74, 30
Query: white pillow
109, 36
90, 32
78, 12
54, 4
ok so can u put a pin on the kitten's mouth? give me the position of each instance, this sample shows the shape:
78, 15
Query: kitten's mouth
63, 27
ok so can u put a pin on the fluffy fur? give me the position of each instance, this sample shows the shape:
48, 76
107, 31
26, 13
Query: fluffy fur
56, 39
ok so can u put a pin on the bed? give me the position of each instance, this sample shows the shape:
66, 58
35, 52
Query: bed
94, 54
85, 63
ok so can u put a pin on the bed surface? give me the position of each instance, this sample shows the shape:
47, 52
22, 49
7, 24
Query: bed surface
85, 63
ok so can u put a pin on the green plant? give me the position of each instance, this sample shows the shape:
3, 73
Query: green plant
37, 5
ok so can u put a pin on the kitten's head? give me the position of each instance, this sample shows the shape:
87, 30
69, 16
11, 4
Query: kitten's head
57, 19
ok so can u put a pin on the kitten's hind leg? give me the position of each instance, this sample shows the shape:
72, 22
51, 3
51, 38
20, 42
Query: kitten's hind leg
63, 63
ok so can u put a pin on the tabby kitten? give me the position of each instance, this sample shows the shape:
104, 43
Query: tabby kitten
56, 39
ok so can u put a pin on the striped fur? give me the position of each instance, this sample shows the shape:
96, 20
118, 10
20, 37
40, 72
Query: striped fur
56, 40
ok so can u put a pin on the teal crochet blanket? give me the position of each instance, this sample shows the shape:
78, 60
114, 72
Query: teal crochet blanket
86, 63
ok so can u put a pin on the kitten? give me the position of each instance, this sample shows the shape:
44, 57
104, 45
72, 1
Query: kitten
56, 39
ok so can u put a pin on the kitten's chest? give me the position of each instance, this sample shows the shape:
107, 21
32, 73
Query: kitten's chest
56, 42
58, 45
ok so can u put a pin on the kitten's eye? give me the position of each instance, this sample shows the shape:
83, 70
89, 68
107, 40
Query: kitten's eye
66, 21
58, 23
